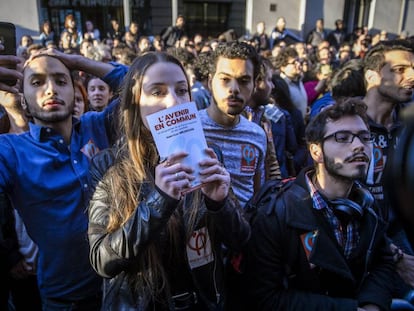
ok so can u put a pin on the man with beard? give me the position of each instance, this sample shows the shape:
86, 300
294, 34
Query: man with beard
291, 71
320, 245
389, 80
234, 68
44, 172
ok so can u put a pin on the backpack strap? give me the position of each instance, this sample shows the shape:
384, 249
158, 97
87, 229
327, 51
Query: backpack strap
266, 197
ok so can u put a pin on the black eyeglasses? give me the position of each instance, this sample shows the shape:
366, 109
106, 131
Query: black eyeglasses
346, 137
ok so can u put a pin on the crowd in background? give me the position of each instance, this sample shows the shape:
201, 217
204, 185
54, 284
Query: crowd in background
319, 54
297, 78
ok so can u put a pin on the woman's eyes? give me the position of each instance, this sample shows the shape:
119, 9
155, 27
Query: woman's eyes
155, 92
182, 91
160, 92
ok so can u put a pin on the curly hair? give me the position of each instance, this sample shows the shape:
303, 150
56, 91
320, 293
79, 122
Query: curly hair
235, 50
183, 55
201, 66
282, 59
316, 129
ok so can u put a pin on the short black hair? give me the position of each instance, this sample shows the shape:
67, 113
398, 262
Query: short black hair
281, 93
201, 66
348, 81
265, 65
375, 58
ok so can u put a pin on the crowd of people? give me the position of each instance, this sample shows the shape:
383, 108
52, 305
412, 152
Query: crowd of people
296, 210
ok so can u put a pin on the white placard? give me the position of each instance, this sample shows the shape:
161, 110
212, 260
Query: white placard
179, 128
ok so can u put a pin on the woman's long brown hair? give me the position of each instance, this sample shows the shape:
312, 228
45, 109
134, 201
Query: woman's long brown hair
132, 170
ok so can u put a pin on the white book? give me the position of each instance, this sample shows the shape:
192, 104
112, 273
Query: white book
179, 128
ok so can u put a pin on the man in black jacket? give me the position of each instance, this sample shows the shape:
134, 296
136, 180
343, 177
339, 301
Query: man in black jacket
321, 245
174, 33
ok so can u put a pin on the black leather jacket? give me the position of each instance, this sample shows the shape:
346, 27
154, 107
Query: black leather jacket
114, 255
9, 245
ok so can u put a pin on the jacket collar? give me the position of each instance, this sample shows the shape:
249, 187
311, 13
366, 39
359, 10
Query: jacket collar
326, 252
42, 133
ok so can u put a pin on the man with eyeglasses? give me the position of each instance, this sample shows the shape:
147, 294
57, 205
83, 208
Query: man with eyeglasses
290, 69
320, 244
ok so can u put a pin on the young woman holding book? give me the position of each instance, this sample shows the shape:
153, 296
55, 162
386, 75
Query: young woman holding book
157, 248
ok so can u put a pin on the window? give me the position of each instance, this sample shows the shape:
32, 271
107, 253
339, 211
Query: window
206, 18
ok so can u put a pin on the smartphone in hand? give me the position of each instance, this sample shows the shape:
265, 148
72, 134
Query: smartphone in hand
8, 40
